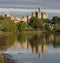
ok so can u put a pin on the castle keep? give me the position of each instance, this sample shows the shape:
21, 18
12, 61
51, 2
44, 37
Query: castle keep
39, 14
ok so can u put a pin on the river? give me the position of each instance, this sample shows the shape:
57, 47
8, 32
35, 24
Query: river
30, 48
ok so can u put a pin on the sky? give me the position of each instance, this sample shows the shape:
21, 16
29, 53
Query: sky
24, 6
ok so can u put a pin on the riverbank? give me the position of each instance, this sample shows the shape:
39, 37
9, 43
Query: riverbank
34, 25
1, 58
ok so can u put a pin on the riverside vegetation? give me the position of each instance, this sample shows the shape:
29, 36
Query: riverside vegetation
6, 25
35, 24
39, 44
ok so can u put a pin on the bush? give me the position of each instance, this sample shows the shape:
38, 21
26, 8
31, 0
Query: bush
6, 25
22, 26
1, 18
36, 23
56, 19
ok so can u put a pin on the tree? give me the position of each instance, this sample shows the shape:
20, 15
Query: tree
56, 19
57, 27
22, 26
36, 23
47, 27
7, 25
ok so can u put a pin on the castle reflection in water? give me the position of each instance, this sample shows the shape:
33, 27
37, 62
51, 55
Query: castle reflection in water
36, 49
37, 43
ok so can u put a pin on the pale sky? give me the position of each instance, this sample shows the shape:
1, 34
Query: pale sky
51, 5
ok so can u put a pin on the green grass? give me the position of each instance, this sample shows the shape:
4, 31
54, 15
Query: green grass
6, 25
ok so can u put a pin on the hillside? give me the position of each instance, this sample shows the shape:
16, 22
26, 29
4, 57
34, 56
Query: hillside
6, 25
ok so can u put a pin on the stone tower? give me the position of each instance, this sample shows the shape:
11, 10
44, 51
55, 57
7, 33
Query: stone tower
40, 14
2, 13
33, 14
39, 9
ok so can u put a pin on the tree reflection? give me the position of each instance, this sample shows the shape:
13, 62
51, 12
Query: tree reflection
38, 44
22, 37
6, 40
37, 39
56, 42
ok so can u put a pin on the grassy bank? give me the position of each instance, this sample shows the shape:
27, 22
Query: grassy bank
6, 25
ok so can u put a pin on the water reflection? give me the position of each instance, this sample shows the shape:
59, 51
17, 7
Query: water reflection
38, 44
1, 58
6, 41
56, 42
33, 43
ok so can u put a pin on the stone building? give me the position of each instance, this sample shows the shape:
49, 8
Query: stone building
24, 19
39, 14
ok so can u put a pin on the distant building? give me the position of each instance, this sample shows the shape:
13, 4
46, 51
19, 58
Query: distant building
20, 19
25, 19
39, 14
5, 15
2, 14
8, 15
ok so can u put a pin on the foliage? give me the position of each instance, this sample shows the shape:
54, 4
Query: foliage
56, 19
48, 21
6, 40
6, 25
21, 37
1, 18
36, 23
45, 24
4, 29
22, 26
57, 26
47, 27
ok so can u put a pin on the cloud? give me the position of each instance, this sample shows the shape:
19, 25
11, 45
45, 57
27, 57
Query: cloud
24, 12
30, 3
19, 7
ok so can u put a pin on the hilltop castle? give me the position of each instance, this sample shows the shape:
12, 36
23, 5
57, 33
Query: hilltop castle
39, 14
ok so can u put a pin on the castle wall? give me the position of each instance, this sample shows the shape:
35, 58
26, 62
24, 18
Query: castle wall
28, 18
45, 15
24, 19
33, 14
39, 15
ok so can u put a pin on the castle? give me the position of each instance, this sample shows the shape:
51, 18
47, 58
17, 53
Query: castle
39, 14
